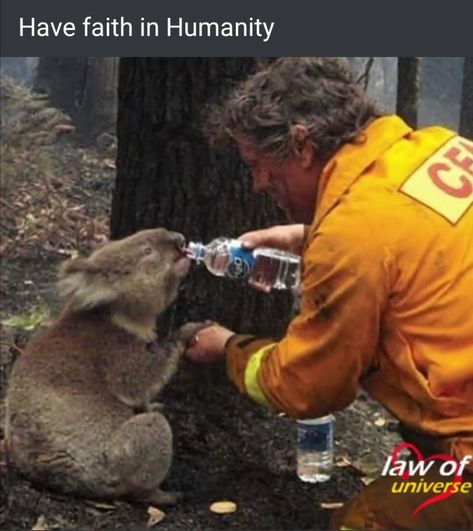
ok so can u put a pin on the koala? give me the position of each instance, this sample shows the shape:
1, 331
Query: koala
80, 414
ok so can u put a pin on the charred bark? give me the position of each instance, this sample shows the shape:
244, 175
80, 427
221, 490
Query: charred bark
466, 110
408, 80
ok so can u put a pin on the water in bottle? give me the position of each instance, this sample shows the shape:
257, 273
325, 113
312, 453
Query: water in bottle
270, 268
315, 449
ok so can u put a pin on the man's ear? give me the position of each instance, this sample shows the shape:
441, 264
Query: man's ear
303, 149
81, 282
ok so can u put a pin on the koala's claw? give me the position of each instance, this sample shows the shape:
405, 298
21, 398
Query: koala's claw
187, 331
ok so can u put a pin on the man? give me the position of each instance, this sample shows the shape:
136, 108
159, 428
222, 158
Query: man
385, 230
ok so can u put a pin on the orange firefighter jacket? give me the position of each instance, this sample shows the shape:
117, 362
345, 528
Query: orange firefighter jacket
387, 289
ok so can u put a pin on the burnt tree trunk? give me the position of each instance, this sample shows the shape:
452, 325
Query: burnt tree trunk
466, 110
85, 88
408, 76
98, 106
167, 176
62, 79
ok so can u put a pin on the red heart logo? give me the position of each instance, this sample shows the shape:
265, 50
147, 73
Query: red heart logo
439, 457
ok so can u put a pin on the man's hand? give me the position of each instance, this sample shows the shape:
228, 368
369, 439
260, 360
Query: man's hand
208, 344
285, 237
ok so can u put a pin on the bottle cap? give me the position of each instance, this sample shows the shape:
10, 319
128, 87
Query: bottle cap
196, 251
316, 421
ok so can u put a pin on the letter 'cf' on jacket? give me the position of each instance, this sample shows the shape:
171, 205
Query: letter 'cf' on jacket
387, 289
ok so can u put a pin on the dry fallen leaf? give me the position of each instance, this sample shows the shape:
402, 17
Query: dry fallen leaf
380, 421
104, 506
40, 524
366, 466
366, 480
59, 522
155, 516
63, 128
331, 505
342, 461
223, 507
109, 163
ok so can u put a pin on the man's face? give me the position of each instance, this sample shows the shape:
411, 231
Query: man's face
292, 183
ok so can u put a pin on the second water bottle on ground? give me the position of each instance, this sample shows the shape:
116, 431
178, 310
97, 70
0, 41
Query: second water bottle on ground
315, 449
268, 267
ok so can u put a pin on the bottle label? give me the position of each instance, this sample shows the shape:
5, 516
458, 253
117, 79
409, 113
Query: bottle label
240, 263
314, 437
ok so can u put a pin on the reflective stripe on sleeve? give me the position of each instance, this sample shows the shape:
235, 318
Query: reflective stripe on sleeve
252, 388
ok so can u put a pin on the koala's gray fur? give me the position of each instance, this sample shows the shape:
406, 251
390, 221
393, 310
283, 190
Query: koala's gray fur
73, 394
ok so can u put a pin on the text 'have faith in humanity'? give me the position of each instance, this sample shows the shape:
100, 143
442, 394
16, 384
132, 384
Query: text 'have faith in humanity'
171, 27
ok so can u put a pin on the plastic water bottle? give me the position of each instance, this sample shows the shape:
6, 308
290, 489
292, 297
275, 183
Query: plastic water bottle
270, 268
315, 449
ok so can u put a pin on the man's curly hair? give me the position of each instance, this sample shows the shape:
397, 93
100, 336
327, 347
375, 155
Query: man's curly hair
317, 92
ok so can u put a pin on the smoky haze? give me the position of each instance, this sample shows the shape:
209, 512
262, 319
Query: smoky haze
440, 85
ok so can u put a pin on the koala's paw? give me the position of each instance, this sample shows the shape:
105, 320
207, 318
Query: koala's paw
187, 331
156, 406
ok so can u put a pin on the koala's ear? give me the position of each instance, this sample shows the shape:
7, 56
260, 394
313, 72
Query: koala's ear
81, 282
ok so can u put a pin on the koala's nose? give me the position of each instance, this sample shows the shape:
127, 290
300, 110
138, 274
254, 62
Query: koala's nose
177, 239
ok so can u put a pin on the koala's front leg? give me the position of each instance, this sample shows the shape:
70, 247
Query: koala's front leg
172, 350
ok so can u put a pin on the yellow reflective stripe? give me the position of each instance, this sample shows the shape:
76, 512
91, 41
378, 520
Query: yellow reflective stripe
253, 390
346, 528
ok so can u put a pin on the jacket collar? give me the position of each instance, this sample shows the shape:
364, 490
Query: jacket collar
349, 162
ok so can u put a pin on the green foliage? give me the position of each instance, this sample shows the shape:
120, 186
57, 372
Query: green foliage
31, 320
